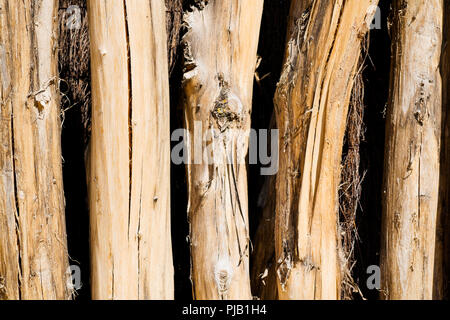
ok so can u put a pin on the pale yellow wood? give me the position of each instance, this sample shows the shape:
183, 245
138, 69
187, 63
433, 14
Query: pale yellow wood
220, 58
129, 168
411, 173
33, 245
311, 104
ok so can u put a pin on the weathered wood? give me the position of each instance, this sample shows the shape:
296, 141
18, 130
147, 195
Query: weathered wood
129, 183
311, 104
220, 59
411, 173
33, 247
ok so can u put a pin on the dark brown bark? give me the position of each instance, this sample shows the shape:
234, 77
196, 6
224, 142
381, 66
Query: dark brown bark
174, 20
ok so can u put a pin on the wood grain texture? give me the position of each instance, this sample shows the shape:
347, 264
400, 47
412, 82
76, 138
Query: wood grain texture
411, 172
219, 64
129, 168
311, 104
33, 245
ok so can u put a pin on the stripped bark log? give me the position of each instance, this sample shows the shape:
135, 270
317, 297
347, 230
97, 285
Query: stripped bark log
33, 246
130, 151
220, 59
411, 176
311, 104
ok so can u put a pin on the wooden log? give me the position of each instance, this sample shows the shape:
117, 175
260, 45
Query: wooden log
413, 134
311, 104
33, 246
129, 184
219, 64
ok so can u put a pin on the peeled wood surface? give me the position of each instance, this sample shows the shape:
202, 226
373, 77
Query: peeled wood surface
311, 104
220, 59
129, 183
33, 246
411, 177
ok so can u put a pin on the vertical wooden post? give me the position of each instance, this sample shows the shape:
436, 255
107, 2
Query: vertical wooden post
129, 183
220, 59
311, 104
411, 173
33, 246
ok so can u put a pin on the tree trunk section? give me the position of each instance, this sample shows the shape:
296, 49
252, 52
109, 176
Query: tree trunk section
33, 246
311, 104
129, 183
220, 59
411, 172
